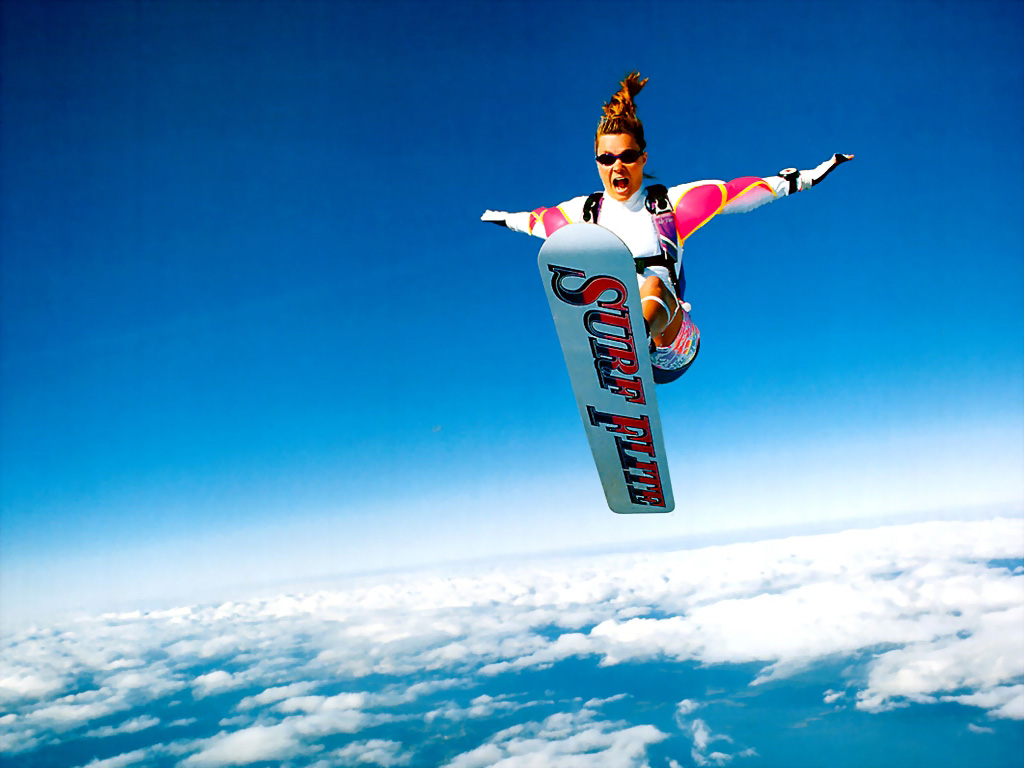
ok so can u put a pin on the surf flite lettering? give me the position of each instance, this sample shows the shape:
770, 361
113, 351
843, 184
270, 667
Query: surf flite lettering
615, 360
590, 281
609, 329
635, 445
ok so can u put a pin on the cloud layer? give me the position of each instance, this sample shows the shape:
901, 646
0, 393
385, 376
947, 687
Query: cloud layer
933, 611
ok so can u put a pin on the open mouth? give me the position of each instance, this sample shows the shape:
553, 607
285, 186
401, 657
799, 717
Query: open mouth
621, 184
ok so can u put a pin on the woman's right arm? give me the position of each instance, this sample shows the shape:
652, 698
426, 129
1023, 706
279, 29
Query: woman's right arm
518, 222
542, 222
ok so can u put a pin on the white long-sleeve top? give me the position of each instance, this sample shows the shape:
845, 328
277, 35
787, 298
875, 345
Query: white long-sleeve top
693, 204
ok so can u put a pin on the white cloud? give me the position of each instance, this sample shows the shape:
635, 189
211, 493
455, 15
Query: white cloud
951, 625
831, 697
249, 745
567, 645
700, 733
312, 704
684, 709
70, 712
213, 682
381, 752
485, 707
227, 722
275, 694
22, 683
987, 659
134, 725
566, 739
1006, 701
141, 757
17, 737
135, 757
593, 703
959, 621
701, 736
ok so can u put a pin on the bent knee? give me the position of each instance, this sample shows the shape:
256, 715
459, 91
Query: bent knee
655, 289
653, 286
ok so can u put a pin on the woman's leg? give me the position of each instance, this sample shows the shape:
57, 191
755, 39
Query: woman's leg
661, 311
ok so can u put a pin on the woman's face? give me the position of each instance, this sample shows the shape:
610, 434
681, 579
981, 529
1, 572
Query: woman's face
621, 180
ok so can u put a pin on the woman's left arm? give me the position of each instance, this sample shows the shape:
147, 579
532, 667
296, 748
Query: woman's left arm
698, 202
750, 192
798, 181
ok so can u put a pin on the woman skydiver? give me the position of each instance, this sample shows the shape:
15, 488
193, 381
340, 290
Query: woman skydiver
654, 222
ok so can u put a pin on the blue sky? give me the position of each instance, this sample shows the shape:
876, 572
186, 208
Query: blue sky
252, 328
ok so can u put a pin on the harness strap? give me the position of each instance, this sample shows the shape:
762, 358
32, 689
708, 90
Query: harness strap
657, 200
592, 208
659, 300
660, 209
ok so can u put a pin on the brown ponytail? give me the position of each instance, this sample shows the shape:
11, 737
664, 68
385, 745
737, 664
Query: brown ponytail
620, 111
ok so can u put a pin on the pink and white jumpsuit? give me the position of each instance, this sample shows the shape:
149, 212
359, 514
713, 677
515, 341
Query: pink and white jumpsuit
693, 205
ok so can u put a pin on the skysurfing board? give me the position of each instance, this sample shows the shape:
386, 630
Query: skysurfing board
591, 285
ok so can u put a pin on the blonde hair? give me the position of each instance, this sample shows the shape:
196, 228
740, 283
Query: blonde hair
620, 112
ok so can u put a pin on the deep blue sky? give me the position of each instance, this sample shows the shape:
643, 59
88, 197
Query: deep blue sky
253, 329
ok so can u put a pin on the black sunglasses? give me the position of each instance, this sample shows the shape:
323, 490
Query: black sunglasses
629, 157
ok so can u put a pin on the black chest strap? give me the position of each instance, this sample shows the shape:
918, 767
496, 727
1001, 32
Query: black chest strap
592, 208
657, 200
657, 204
